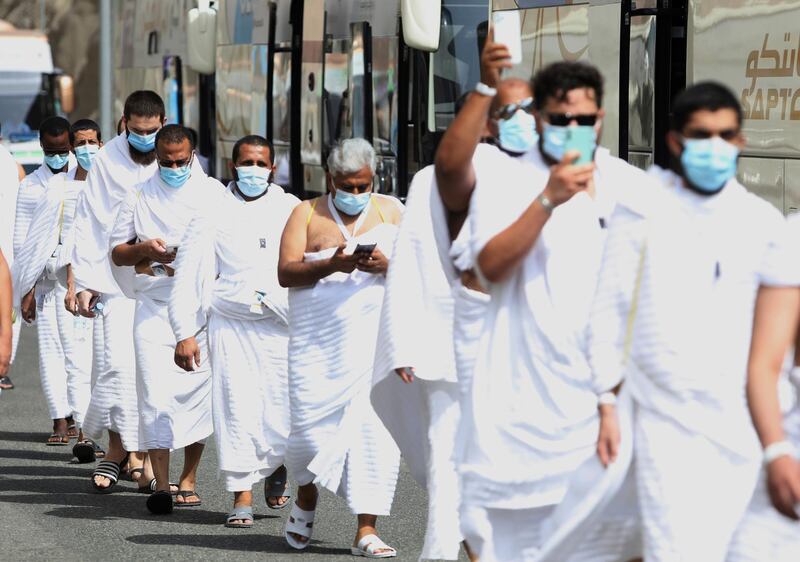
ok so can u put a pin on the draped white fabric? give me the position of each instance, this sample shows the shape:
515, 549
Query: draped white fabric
31, 191
336, 439
533, 398
227, 259
113, 176
174, 405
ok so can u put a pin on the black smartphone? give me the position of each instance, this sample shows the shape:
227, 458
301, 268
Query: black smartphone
364, 249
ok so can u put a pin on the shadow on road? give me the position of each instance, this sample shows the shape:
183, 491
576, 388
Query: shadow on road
72, 470
238, 542
64, 454
24, 436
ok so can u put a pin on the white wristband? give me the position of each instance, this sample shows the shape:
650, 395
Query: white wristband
776, 450
485, 90
607, 399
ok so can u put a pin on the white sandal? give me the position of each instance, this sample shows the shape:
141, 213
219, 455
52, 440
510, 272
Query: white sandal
299, 522
369, 545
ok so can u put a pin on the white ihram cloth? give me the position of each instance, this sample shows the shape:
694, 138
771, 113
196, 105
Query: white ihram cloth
416, 330
113, 405
700, 265
9, 187
533, 398
336, 438
227, 258
43, 263
765, 534
35, 266
174, 405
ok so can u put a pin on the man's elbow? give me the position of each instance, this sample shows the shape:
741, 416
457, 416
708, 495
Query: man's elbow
284, 278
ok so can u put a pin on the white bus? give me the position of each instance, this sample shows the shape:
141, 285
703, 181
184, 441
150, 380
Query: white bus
304, 73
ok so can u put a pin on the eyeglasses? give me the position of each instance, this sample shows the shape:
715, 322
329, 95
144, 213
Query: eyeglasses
57, 152
564, 119
353, 188
726, 135
507, 111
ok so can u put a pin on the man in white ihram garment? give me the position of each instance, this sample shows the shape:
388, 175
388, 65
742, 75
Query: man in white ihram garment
770, 529
9, 186
530, 419
123, 163
174, 404
334, 255
684, 261
41, 302
45, 263
231, 254
432, 277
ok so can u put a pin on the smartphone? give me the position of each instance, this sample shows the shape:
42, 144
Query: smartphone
583, 140
364, 248
172, 249
508, 31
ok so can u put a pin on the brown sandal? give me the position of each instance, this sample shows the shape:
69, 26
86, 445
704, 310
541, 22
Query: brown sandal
57, 439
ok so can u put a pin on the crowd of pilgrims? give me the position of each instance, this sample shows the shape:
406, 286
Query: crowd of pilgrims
577, 359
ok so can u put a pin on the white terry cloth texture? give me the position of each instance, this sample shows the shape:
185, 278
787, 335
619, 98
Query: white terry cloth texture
228, 258
533, 397
336, 438
174, 405
416, 331
43, 262
9, 188
698, 268
36, 247
113, 405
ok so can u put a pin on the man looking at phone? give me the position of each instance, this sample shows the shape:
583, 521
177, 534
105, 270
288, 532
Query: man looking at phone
248, 334
334, 255
174, 404
123, 163
532, 399
683, 259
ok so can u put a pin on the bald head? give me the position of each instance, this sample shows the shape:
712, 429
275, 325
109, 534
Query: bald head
511, 90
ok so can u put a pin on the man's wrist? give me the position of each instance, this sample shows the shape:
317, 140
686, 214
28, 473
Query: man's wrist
546, 202
776, 450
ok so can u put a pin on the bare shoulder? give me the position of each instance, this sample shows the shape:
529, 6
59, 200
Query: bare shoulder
391, 207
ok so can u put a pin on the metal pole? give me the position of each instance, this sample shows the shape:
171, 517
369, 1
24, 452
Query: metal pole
42, 16
107, 124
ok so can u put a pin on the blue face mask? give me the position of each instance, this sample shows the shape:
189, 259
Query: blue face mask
556, 140
85, 154
351, 204
175, 177
252, 181
56, 161
518, 133
142, 143
708, 164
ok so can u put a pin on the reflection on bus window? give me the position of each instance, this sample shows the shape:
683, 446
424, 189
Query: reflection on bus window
456, 65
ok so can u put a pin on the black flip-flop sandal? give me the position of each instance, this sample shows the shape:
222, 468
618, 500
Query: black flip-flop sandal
151, 487
5, 383
186, 494
160, 503
110, 470
277, 486
86, 451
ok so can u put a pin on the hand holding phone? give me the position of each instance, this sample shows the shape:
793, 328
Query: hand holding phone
364, 249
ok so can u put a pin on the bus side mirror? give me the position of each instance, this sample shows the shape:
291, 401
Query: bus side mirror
202, 38
66, 93
421, 23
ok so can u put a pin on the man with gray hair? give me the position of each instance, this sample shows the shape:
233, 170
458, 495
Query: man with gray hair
334, 255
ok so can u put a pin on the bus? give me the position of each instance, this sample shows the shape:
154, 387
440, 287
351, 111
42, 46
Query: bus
304, 73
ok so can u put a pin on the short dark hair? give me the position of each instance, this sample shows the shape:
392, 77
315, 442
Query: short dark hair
144, 103
53, 126
253, 140
712, 96
174, 134
557, 79
84, 125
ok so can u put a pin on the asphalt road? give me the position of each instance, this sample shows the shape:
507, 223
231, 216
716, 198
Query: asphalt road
48, 513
